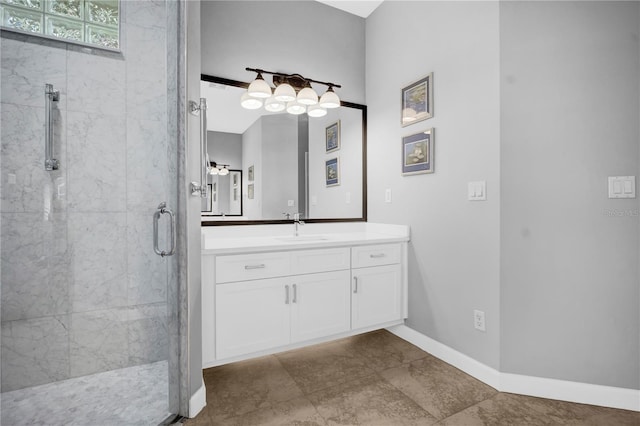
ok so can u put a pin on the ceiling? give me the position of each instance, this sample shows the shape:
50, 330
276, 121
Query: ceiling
362, 8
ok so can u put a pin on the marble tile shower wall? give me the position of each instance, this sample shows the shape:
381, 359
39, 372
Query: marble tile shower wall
82, 291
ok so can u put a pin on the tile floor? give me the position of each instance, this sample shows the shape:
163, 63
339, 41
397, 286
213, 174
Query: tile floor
375, 379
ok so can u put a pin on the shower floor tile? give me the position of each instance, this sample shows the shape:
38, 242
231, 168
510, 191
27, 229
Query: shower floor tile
128, 396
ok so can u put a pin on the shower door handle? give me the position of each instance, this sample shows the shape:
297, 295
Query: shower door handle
162, 209
201, 110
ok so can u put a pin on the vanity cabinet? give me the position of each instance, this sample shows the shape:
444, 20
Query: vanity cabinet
377, 285
265, 302
256, 315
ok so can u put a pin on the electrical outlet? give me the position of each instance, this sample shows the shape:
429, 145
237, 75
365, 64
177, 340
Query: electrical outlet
478, 320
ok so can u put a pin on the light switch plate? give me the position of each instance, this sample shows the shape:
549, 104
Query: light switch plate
477, 191
387, 195
622, 187
289, 203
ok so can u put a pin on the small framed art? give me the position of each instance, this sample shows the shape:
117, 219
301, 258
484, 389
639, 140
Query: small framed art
333, 137
332, 168
250, 174
417, 101
206, 202
417, 153
250, 191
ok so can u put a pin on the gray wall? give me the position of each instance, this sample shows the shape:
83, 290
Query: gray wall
569, 115
541, 100
454, 251
304, 37
279, 165
225, 148
82, 290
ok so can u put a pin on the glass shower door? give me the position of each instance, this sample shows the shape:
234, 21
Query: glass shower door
86, 303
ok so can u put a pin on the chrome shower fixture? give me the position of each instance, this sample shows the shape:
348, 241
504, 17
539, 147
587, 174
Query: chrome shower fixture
50, 96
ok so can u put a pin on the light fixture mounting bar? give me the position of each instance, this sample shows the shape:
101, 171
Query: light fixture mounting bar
261, 71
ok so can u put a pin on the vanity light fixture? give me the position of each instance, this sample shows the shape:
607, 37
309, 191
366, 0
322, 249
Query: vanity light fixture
259, 88
293, 92
218, 169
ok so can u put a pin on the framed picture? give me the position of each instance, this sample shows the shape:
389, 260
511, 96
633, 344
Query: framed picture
332, 168
250, 191
250, 174
332, 134
417, 101
417, 153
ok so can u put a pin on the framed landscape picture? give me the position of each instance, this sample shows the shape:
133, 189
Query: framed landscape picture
417, 153
333, 137
332, 170
417, 101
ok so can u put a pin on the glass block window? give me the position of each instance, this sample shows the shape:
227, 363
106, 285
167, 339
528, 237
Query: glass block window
92, 22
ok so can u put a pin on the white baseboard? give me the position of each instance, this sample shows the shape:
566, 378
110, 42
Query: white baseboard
197, 401
584, 393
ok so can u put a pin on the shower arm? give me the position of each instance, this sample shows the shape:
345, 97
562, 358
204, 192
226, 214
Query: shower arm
50, 97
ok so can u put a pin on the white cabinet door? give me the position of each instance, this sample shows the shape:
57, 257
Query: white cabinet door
377, 295
320, 305
251, 316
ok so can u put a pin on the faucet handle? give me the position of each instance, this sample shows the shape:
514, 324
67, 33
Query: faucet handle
296, 217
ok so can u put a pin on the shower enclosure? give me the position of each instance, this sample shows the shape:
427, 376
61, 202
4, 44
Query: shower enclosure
88, 309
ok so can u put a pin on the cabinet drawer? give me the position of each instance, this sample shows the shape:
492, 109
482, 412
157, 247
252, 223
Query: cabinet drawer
321, 260
245, 267
376, 255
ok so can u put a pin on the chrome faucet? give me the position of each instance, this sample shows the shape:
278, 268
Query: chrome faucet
296, 222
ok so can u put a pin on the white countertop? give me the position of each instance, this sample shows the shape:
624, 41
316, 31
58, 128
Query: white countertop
246, 239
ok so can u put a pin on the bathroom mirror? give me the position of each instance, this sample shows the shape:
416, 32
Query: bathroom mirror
287, 163
224, 195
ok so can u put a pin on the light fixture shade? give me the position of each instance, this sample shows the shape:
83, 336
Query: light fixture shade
224, 171
284, 93
259, 88
307, 96
316, 111
274, 105
330, 99
296, 108
250, 103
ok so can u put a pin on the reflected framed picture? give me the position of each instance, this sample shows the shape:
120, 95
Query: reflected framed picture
417, 153
417, 101
332, 170
206, 202
250, 174
250, 190
332, 134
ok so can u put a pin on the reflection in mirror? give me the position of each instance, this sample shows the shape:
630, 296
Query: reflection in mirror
224, 195
290, 163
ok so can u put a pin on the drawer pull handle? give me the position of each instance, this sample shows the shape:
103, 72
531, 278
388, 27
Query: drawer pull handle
295, 294
377, 256
355, 285
286, 294
260, 266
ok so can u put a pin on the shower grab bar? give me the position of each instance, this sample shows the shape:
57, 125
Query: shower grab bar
50, 96
201, 110
162, 209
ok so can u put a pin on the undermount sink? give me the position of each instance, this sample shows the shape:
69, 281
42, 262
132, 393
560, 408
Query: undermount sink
303, 238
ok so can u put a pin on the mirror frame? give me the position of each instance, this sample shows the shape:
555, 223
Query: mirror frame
241, 200
363, 218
